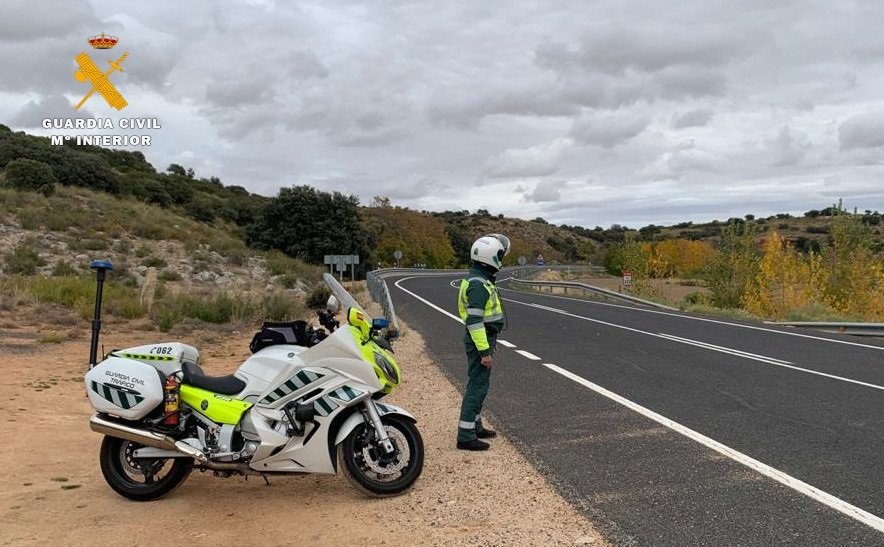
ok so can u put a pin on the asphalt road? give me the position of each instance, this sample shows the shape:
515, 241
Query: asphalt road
666, 429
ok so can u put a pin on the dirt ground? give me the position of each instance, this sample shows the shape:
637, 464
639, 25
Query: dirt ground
52, 491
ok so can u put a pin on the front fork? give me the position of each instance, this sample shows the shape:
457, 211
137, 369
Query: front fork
383, 439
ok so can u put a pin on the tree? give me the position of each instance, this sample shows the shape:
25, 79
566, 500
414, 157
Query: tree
26, 174
734, 266
307, 223
75, 168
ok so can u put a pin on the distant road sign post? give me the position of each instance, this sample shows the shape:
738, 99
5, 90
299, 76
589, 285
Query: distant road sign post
340, 263
522, 261
627, 280
397, 254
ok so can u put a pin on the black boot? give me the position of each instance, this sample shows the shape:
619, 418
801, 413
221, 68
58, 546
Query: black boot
474, 444
486, 434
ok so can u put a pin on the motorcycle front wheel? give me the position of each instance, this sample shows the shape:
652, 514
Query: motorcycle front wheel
139, 479
372, 471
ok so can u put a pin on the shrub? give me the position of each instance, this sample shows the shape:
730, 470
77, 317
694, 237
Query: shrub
51, 338
63, 269
23, 260
25, 174
154, 262
169, 275
318, 297
76, 244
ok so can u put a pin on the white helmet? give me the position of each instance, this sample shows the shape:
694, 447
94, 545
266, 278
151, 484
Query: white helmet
505, 241
489, 251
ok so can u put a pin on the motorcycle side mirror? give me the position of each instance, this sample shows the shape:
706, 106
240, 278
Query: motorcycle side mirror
333, 306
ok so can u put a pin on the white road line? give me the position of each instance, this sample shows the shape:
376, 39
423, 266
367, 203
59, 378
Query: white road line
505, 343
787, 480
725, 349
704, 345
707, 320
529, 355
425, 301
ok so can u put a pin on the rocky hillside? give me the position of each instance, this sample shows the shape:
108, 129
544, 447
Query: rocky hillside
166, 266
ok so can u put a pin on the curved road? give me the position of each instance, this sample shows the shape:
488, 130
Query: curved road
668, 429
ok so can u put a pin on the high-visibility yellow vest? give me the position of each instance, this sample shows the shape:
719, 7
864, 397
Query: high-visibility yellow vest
474, 317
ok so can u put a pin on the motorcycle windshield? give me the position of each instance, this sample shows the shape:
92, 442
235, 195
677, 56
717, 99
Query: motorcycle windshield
345, 298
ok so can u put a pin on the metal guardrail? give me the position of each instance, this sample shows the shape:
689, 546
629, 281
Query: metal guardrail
593, 289
380, 293
856, 329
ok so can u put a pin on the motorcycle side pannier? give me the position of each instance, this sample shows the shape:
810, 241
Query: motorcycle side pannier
125, 388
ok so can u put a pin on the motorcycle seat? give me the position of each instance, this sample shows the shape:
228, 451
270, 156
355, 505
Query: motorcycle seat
225, 385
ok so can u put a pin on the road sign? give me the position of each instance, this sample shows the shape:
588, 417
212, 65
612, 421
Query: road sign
627, 279
522, 261
397, 254
340, 263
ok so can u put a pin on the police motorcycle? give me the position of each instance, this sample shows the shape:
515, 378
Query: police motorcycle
306, 404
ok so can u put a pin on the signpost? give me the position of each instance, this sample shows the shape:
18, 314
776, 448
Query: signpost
397, 254
522, 261
340, 263
627, 280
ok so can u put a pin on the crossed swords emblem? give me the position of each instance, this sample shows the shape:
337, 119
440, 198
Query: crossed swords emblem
100, 80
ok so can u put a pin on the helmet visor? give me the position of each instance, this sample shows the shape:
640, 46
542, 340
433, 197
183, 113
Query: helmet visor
505, 241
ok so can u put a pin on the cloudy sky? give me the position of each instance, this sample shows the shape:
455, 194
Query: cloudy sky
588, 113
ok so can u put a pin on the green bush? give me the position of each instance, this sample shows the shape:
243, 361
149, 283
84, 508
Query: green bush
169, 275
63, 269
25, 174
76, 293
154, 262
318, 297
23, 260
77, 244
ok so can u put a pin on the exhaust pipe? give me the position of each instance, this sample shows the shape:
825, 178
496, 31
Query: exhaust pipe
142, 436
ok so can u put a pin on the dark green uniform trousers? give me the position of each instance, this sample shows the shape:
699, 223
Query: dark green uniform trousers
478, 382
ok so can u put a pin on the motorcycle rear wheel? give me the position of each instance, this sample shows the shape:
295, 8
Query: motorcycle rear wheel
139, 479
375, 474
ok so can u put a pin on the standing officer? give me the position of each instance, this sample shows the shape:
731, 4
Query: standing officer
480, 309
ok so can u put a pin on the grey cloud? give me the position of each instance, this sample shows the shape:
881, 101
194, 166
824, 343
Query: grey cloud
33, 113
616, 50
536, 161
608, 131
862, 131
675, 163
680, 81
304, 64
692, 118
25, 21
546, 190
787, 149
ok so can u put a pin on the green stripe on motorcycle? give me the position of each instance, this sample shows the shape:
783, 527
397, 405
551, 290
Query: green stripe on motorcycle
326, 405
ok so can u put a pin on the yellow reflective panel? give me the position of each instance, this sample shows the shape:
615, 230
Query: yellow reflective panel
219, 408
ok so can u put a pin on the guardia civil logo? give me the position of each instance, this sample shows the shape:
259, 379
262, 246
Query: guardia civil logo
89, 73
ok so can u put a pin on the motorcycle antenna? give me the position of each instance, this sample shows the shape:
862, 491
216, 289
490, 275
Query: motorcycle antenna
100, 267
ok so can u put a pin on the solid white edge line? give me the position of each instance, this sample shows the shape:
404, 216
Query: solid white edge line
695, 318
527, 354
505, 343
425, 301
787, 480
723, 348
703, 345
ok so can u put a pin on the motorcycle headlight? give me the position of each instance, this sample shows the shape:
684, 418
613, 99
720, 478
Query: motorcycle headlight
387, 368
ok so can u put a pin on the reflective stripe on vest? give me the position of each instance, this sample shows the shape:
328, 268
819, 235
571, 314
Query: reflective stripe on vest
493, 310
